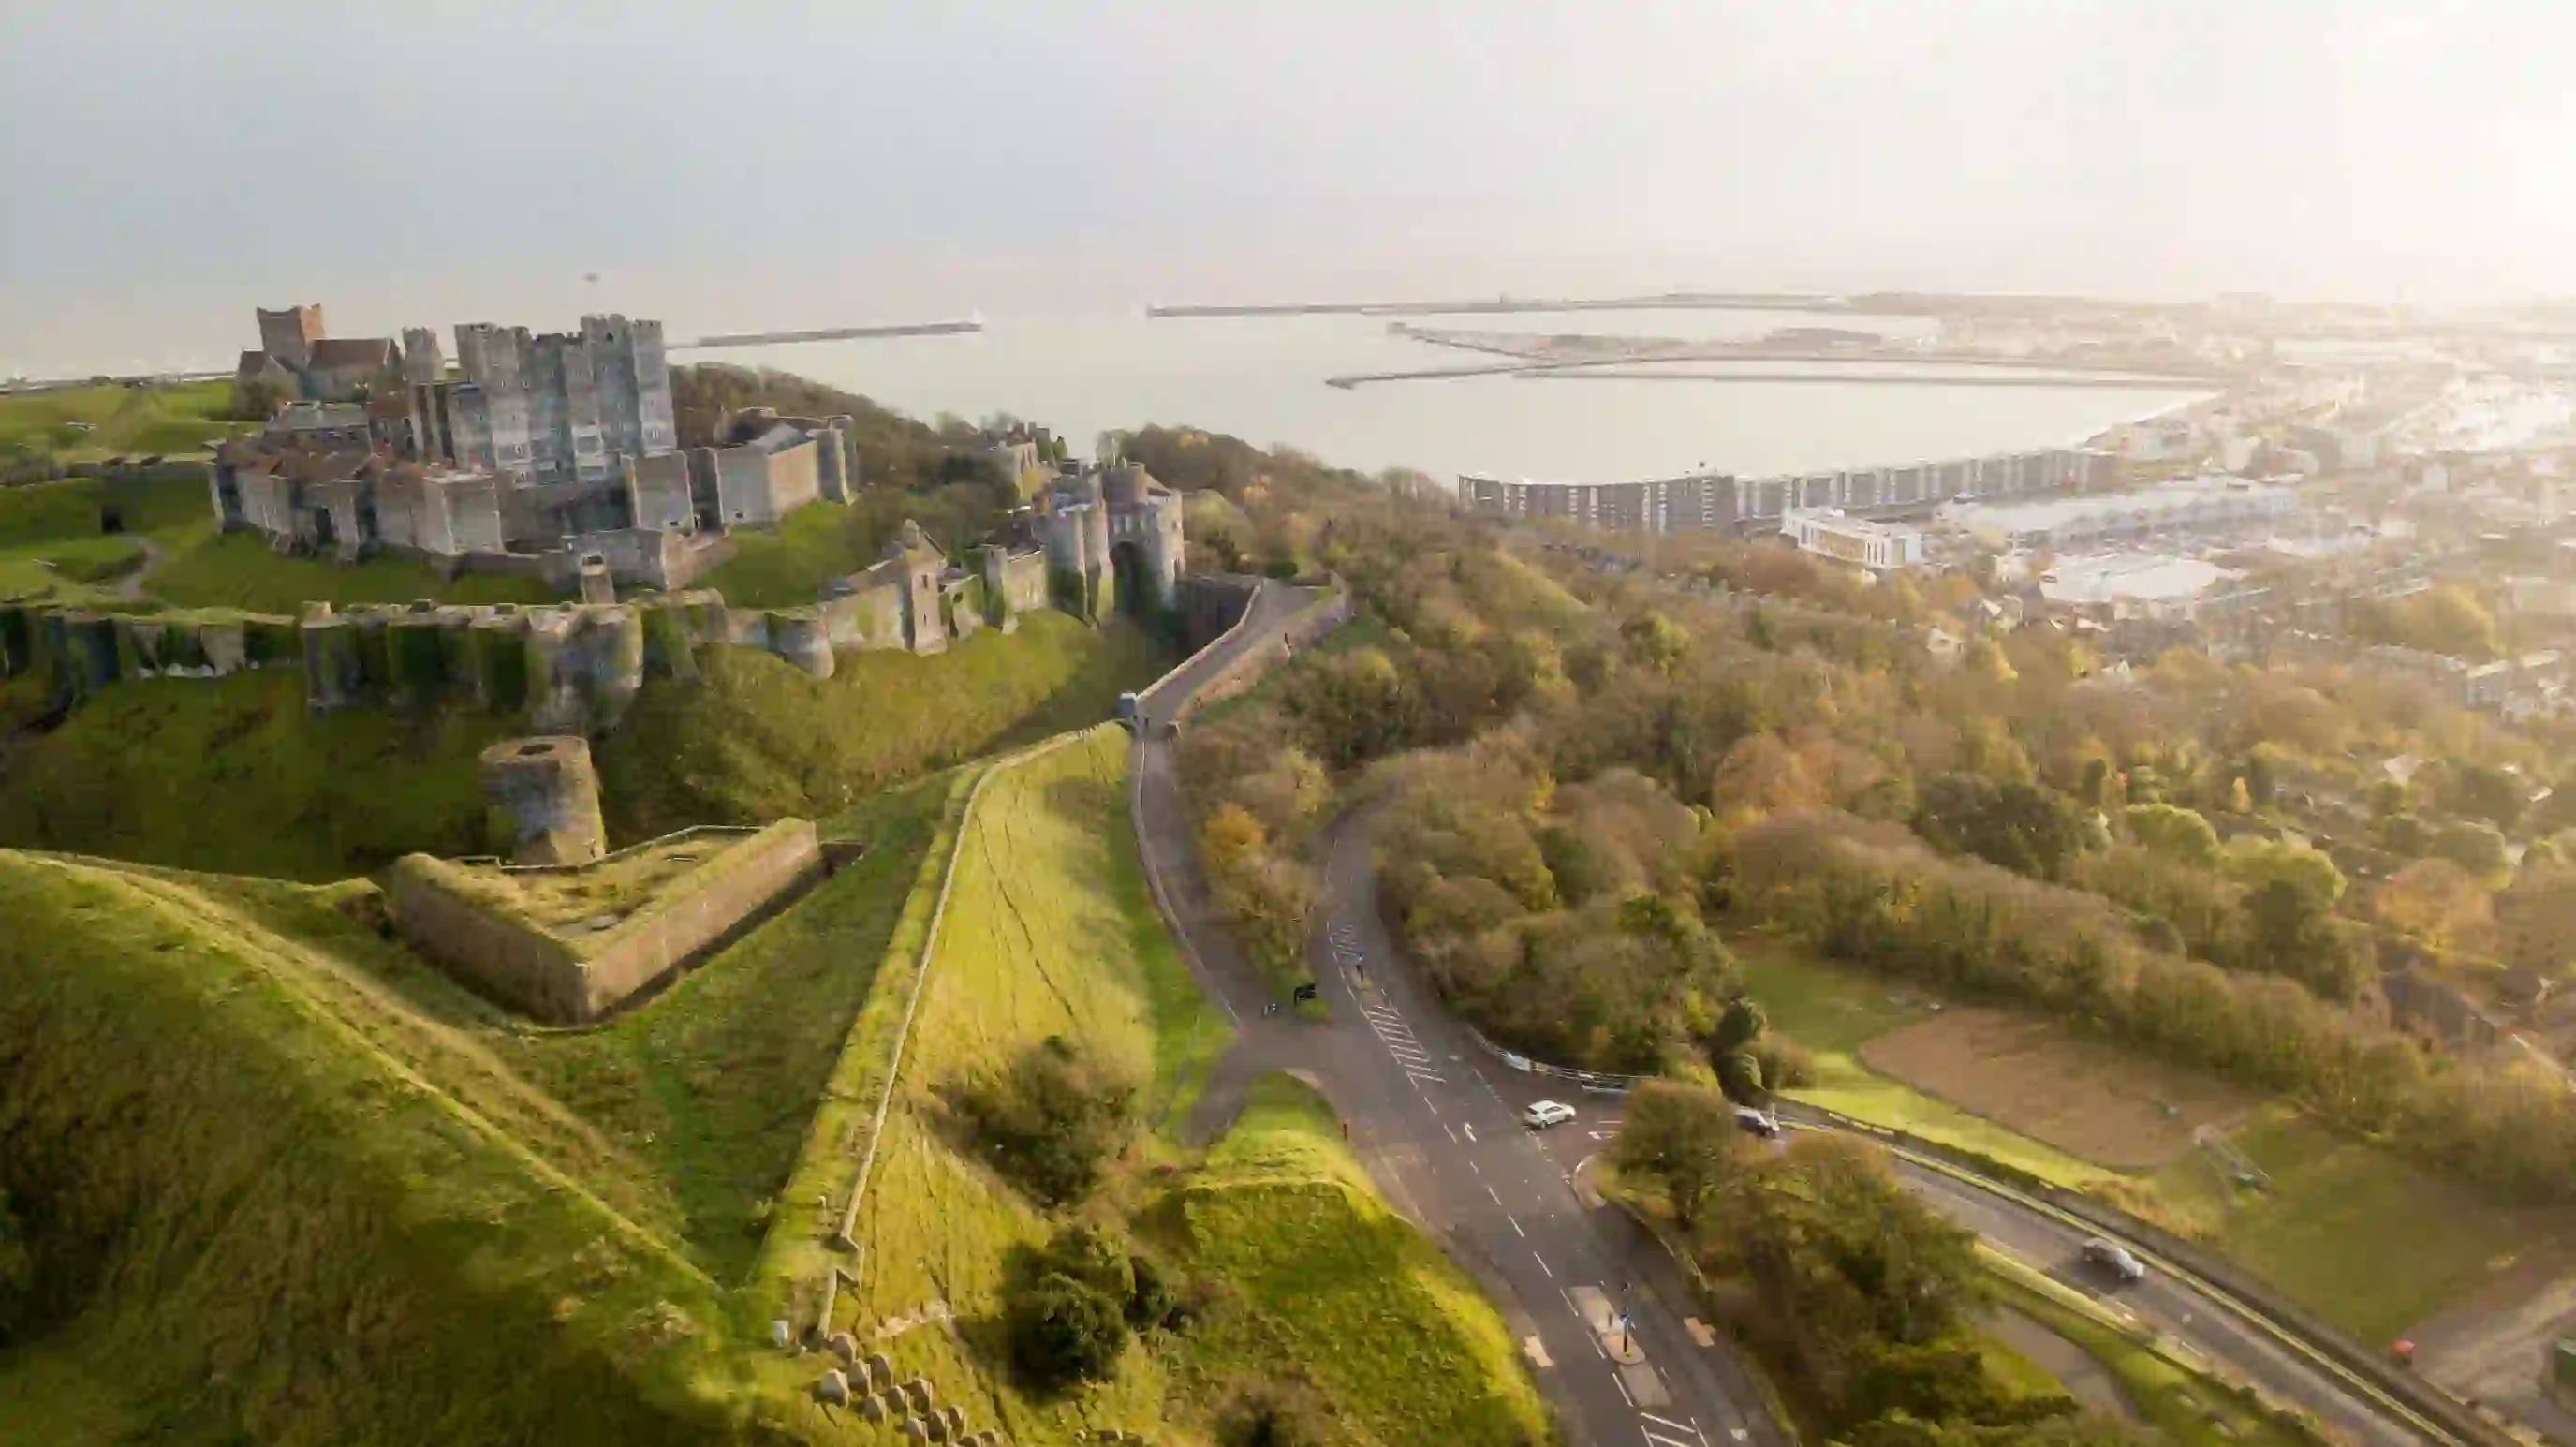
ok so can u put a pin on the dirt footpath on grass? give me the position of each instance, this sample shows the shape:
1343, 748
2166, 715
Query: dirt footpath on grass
2087, 1099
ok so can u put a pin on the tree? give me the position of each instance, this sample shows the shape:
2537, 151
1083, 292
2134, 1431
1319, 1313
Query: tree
2435, 900
2174, 832
1730, 1052
1654, 641
2023, 827
1684, 1139
2475, 847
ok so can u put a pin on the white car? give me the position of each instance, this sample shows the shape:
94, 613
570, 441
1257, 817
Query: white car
1547, 1113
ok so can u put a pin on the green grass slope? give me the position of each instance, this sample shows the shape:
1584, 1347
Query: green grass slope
1334, 1283
757, 738
234, 774
1050, 930
266, 1208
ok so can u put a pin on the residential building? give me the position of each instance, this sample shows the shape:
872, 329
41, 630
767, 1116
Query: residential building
1837, 535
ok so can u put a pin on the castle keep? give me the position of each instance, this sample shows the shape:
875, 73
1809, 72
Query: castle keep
532, 453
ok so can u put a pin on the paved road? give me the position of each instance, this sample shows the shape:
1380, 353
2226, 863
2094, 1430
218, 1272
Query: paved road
1437, 1123
1444, 1145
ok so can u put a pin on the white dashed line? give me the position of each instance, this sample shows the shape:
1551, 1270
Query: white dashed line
1669, 1422
1453, 1135
1542, 1265
1623, 1392
1516, 1225
1497, 1195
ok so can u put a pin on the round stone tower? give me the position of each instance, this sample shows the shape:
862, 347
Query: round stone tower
549, 793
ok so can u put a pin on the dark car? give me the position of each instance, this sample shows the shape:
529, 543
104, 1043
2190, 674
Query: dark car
2116, 1260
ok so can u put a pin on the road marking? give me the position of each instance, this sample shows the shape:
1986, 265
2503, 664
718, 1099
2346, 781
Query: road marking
1669, 1422
1444, 1125
1471, 1132
1418, 1076
1497, 1195
1542, 1265
1536, 1350
1427, 1100
1516, 1225
1661, 1440
1623, 1391
1471, 1165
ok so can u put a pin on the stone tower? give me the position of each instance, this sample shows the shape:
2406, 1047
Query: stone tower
288, 334
549, 792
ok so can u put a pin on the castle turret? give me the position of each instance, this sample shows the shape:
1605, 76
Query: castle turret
548, 792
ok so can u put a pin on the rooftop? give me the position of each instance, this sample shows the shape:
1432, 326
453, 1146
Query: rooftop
2130, 577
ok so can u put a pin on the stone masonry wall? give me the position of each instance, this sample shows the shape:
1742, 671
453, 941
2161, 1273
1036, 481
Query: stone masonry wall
451, 914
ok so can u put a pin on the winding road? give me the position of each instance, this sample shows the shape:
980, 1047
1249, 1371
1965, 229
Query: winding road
1604, 1315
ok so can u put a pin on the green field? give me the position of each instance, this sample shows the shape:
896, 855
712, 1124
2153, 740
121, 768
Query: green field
89, 423
2367, 1240
268, 1204
2375, 1244
1832, 1012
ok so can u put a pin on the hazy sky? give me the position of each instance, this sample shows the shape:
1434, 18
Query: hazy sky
754, 165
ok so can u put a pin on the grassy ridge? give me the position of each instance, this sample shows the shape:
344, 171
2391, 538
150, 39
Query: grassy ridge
1336, 1286
257, 1215
1050, 930
241, 570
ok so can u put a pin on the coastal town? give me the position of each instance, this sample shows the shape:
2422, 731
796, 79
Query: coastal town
2354, 460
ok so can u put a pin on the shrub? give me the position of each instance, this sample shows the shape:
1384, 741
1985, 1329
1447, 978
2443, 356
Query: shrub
1052, 1121
1064, 1331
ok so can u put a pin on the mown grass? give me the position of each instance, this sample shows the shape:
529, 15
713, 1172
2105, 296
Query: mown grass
1338, 1290
788, 565
57, 512
1832, 1012
120, 421
755, 737
241, 570
2366, 1239
266, 1208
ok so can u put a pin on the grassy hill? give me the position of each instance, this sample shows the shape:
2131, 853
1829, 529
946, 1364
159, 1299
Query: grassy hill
1050, 931
267, 1204
233, 773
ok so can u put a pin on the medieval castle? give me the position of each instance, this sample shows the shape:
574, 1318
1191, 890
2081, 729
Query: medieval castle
555, 457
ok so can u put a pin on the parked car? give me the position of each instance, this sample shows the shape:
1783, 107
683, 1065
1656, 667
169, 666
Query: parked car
1547, 1113
2116, 1259
1755, 1122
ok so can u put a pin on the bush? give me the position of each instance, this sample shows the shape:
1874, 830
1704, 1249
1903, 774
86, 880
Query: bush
1052, 1121
1064, 1331
1275, 1414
